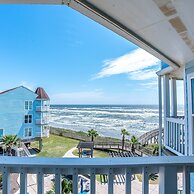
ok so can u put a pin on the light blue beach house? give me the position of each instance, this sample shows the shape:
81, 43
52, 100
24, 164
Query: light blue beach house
24, 113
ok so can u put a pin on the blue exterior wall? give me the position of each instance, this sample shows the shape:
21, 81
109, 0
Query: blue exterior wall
12, 112
189, 68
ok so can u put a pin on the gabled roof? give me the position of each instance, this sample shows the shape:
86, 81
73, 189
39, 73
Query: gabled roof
41, 94
6, 91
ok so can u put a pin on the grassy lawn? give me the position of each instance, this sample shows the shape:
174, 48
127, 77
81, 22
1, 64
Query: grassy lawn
97, 154
55, 146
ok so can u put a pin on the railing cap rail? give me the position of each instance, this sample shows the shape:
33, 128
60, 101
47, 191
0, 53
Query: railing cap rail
96, 162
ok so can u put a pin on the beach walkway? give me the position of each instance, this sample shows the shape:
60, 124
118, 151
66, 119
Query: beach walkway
69, 154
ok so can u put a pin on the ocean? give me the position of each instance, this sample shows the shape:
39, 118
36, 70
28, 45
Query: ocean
108, 120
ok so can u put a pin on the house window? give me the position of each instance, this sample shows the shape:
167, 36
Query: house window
28, 105
28, 119
28, 132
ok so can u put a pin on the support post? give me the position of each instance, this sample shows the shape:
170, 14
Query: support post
92, 181
128, 181
92, 153
23, 182
75, 181
110, 181
168, 180
58, 188
173, 98
40, 182
40, 144
186, 180
160, 114
6, 180
145, 181
166, 105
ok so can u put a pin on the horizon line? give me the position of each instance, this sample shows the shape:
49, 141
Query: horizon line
104, 104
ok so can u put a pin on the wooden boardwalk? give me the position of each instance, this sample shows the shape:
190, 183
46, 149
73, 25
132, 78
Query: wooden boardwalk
147, 138
150, 137
112, 145
120, 178
109, 146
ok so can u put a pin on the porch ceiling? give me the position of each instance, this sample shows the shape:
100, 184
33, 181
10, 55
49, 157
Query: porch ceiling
164, 28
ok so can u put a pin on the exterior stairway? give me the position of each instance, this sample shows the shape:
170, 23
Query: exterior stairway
23, 151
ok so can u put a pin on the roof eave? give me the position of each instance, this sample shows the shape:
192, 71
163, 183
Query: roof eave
165, 71
106, 20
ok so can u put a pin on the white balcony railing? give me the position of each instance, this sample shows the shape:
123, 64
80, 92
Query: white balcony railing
41, 121
42, 108
167, 167
175, 135
44, 133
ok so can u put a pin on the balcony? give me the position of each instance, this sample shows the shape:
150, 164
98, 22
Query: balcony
41, 121
175, 135
44, 133
42, 109
167, 168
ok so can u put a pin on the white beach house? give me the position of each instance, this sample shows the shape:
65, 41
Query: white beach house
164, 28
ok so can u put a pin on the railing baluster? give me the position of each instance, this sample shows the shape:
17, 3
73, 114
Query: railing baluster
172, 126
75, 181
92, 181
6, 180
40, 182
23, 182
110, 181
183, 139
128, 181
168, 180
176, 137
167, 132
58, 182
186, 180
170, 134
145, 181
179, 140
175, 134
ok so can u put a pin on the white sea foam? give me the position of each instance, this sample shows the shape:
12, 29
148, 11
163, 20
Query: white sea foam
106, 119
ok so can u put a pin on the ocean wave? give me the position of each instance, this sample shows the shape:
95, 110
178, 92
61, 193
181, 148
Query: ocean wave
107, 120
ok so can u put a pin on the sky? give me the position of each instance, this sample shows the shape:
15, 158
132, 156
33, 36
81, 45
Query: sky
75, 59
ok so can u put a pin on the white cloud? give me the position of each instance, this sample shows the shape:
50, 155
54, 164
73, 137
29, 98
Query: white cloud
28, 85
143, 75
132, 63
150, 85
